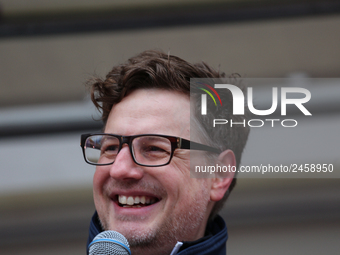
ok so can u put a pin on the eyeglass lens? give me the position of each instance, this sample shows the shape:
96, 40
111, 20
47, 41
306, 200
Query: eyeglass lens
146, 150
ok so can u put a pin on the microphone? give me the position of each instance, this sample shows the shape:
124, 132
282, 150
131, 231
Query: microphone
109, 243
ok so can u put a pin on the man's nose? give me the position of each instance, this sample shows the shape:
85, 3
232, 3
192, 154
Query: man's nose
124, 167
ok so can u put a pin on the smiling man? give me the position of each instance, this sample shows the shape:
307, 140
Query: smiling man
142, 184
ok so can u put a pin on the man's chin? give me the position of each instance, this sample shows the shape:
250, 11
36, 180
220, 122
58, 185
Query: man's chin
138, 236
144, 236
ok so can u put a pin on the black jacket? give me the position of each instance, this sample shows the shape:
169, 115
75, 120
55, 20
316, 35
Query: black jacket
213, 243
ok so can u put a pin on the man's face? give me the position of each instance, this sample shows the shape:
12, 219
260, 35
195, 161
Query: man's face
176, 206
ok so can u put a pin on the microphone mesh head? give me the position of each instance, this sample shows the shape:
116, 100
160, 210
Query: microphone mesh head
103, 247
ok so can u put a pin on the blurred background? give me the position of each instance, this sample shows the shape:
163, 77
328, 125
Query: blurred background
49, 49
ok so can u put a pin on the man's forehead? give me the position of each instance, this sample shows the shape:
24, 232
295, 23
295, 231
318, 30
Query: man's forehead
158, 109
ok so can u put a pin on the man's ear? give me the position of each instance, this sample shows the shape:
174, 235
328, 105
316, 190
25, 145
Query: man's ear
219, 185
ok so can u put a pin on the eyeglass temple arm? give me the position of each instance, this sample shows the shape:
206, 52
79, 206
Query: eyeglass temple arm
186, 144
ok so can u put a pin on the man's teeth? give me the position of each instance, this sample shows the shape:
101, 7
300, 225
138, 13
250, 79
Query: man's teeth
135, 200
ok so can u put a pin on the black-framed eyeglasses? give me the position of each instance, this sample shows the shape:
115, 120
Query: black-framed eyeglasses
146, 150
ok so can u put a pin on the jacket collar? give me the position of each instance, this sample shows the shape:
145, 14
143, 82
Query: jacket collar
214, 241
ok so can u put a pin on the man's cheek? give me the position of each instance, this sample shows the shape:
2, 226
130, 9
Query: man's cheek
99, 178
